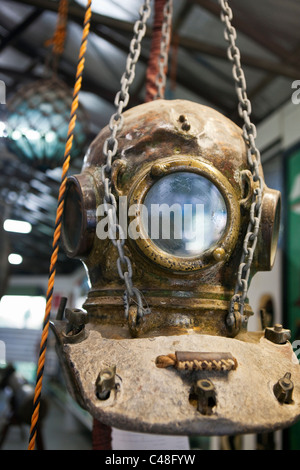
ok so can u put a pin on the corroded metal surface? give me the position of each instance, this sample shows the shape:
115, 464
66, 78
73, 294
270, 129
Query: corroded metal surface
155, 135
225, 380
156, 400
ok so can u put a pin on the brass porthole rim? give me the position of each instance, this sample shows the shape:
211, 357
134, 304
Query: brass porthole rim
183, 163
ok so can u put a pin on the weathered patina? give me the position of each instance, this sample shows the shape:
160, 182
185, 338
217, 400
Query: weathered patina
182, 293
218, 380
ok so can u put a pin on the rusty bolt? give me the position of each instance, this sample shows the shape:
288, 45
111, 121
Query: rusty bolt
77, 319
283, 389
182, 118
205, 391
186, 126
105, 382
278, 327
277, 334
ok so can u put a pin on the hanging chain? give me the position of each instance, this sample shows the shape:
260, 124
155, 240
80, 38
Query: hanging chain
253, 154
110, 148
161, 78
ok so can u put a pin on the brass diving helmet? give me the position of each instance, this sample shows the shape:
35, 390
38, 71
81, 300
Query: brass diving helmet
180, 365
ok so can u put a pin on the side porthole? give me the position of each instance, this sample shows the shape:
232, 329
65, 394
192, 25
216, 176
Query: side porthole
79, 219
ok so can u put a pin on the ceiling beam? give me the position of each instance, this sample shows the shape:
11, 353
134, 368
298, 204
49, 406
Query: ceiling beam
195, 85
17, 74
89, 85
265, 81
76, 13
255, 62
20, 28
257, 34
182, 15
289, 61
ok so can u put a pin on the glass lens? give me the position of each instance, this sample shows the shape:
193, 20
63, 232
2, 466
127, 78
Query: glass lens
184, 214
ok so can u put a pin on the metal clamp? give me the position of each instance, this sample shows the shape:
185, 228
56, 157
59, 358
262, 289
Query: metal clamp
277, 334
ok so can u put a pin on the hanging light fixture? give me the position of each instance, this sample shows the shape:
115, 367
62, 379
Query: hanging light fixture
38, 114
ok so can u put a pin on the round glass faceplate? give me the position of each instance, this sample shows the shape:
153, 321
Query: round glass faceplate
184, 214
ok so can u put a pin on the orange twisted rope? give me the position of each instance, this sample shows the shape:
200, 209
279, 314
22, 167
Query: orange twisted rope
58, 40
57, 231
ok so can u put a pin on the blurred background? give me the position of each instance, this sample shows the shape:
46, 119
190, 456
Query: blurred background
32, 144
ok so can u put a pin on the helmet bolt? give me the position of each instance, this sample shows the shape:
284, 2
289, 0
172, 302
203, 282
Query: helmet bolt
283, 389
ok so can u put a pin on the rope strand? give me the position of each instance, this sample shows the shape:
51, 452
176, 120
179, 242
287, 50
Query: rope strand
57, 231
59, 37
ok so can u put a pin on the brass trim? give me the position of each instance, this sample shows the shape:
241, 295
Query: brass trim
152, 173
85, 190
268, 235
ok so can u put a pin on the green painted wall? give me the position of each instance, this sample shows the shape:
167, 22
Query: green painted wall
293, 263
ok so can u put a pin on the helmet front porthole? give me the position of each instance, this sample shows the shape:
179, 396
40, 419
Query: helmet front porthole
186, 214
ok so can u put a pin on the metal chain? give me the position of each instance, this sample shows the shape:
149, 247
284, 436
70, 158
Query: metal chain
161, 78
249, 133
110, 148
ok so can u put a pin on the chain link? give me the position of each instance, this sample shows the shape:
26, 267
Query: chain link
249, 133
161, 78
110, 148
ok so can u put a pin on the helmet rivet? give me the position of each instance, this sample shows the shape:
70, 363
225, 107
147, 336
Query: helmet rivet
219, 254
186, 126
182, 118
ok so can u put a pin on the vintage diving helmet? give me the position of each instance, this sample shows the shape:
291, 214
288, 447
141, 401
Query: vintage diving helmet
179, 367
